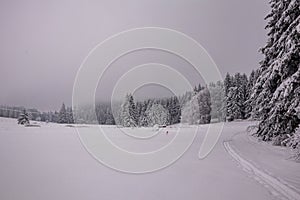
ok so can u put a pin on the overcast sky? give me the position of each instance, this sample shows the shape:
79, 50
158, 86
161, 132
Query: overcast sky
43, 43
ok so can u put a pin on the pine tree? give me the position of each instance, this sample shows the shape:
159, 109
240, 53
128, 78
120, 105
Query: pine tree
234, 104
175, 111
109, 118
132, 110
62, 116
143, 118
69, 116
138, 110
190, 111
228, 83
245, 96
204, 101
275, 96
218, 101
238, 93
198, 109
23, 118
199, 87
128, 112
252, 81
195, 89
157, 114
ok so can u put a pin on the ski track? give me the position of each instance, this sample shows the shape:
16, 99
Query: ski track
277, 188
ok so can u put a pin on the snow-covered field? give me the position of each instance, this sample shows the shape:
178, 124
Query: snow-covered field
49, 162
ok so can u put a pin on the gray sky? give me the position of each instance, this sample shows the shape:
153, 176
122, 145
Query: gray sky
43, 43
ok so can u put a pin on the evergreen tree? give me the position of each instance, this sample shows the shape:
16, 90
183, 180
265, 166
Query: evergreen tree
143, 117
69, 116
204, 101
252, 80
175, 111
198, 109
109, 118
234, 104
245, 96
199, 87
228, 83
128, 112
218, 101
190, 111
275, 96
62, 116
195, 89
23, 118
157, 114
236, 96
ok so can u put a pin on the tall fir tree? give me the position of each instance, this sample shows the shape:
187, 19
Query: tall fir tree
142, 121
251, 82
275, 96
234, 104
128, 112
228, 83
198, 109
204, 101
69, 115
157, 114
62, 116
218, 101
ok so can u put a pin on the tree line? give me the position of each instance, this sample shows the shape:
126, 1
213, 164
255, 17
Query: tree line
164, 111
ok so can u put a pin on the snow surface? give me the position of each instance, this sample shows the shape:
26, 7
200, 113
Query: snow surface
269, 163
49, 162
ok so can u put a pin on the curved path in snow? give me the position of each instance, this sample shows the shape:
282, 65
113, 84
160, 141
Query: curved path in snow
278, 188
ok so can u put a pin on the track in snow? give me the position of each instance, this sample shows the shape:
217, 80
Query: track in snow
276, 187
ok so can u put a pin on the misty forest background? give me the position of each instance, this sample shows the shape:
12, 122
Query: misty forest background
270, 94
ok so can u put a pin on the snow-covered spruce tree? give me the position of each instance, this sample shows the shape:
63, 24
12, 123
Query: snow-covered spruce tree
198, 88
175, 111
241, 82
69, 115
109, 118
198, 109
157, 114
185, 98
246, 96
173, 107
138, 110
218, 101
234, 104
251, 82
275, 96
128, 112
228, 83
62, 116
204, 101
23, 118
236, 97
142, 121
190, 111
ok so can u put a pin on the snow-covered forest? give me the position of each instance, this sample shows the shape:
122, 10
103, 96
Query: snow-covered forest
247, 123
270, 94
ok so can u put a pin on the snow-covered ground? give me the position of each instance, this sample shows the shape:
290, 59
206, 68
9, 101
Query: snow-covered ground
271, 166
49, 162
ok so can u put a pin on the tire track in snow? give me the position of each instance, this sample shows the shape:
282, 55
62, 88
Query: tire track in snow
280, 189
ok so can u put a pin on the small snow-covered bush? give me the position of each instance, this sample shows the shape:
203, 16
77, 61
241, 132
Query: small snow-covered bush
252, 129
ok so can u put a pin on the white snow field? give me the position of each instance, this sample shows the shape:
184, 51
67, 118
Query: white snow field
49, 162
